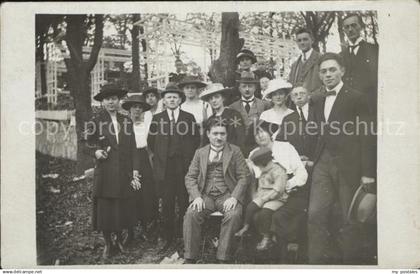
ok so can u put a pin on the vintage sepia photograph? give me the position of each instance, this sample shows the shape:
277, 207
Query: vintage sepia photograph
204, 135
207, 138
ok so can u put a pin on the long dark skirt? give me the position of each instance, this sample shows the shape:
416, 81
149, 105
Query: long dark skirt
146, 199
111, 214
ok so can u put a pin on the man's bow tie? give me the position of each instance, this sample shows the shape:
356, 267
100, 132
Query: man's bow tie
330, 93
354, 46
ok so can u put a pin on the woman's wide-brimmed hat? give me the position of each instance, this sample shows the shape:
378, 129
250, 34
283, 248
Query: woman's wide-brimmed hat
109, 90
135, 99
275, 85
363, 207
191, 80
246, 53
172, 87
248, 77
214, 88
151, 90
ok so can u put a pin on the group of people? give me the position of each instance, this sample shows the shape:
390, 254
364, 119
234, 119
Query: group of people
284, 159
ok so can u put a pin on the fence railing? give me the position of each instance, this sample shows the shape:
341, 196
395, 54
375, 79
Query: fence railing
56, 133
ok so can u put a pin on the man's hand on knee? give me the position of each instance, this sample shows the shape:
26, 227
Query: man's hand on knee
198, 204
230, 204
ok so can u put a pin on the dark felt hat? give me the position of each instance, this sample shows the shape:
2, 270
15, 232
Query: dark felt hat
172, 87
151, 90
135, 99
191, 80
246, 53
109, 90
262, 155
248, 77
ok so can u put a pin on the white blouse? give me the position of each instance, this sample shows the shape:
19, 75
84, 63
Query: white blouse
287, 156
199, 109
274, 117
141, 130
116, 126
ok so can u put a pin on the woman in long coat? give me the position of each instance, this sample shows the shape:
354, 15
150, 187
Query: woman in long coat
146, 201
110, 139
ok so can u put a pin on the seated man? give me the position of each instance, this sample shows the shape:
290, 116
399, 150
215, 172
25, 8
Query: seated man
216, 181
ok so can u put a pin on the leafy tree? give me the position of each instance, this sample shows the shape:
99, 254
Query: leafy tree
319, 23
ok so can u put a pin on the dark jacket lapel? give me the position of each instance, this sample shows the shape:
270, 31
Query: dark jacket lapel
123, 127
321, 105
108, 129
310, 62
227, 156
204, 159
337, 103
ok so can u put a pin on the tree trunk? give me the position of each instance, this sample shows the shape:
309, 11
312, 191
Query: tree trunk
144, 50
79, 75
135, 53
223, 69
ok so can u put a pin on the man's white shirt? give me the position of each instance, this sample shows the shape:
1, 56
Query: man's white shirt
329, 100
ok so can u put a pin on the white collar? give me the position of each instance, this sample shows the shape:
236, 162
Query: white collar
176, 111
251, 99
212, 148
337, 88
360, 39
307, 54
305, 108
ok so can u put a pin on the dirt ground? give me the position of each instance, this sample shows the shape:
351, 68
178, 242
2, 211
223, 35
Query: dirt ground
64, 234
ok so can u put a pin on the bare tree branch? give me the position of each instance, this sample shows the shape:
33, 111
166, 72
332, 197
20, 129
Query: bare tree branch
97, 42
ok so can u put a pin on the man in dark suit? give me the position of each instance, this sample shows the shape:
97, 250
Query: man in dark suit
173, 138
249, 107
344, 159
304, 71
361, 61
286, 222
216, 181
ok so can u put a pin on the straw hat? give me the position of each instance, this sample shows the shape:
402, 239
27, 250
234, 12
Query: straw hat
212, 89
363, 207
275, 85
